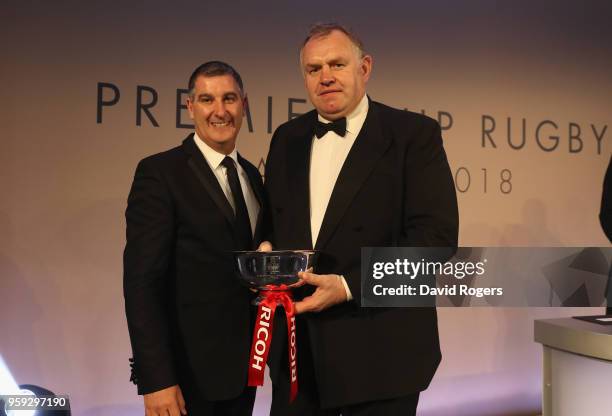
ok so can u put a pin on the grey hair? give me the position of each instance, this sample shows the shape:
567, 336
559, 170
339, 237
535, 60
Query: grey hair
213, 69
319, 30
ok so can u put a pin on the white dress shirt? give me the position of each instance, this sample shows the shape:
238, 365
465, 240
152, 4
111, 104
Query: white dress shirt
326, 159
214, 159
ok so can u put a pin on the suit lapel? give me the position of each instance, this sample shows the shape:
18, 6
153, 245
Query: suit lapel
369, 146
207, 178
298, 164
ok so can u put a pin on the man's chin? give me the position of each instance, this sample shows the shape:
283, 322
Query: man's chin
332, 113
224, 135
221, 142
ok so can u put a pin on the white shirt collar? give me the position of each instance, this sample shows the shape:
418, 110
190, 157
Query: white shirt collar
213, 157
355, 120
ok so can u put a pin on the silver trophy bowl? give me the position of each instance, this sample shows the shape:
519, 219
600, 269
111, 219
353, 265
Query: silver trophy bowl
272, 270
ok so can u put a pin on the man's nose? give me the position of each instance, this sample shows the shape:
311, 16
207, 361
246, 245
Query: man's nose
219, 109
326, 76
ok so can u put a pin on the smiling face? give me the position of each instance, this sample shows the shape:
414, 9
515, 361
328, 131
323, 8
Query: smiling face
335, 74
216, 108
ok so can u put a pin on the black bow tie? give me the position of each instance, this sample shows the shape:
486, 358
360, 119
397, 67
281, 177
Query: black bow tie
337, 126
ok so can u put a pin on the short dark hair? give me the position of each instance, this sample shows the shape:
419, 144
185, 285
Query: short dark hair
324, 29
214, 69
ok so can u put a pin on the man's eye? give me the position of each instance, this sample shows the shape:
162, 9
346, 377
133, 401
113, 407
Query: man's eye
230, 99
205, 100
338, 65
313, 70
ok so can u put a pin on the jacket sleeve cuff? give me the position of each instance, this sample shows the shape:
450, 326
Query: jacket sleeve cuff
349, 295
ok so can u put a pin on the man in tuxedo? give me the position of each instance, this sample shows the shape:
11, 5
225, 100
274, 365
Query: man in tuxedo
189, 207
355, 173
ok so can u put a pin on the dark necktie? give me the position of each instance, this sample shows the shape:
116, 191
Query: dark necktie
337, 126
243, 224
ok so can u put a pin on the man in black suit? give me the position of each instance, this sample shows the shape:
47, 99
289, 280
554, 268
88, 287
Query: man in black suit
605, 218
355, 173
605, 214
189, 318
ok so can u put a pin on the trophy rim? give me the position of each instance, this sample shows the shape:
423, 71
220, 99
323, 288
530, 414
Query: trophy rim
275, 252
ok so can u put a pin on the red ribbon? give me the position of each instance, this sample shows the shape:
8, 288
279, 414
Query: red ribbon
262, 337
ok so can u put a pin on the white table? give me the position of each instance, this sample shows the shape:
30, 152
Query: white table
577, 367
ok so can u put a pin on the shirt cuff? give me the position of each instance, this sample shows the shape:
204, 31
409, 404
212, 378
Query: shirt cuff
349, 295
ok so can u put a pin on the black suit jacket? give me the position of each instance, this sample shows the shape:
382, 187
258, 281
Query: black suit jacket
395, 188
605, 214
188, 316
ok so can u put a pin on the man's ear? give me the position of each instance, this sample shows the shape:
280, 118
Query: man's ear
366, 66
190, 107
245, 105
